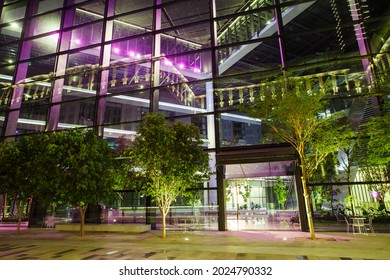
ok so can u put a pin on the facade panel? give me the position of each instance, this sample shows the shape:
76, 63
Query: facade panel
105, 64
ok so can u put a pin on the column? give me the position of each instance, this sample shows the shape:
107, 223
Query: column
20, 74
211, 139
105, 55
156, 52
356, 14
151, 209
279, 20
60, 70
213, 123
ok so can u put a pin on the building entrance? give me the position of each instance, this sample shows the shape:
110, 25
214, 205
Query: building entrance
261, 196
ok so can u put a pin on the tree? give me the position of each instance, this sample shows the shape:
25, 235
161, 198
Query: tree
295, 112
12, 181
168, 159
25, 170
281, 190
86, 165
372, 153
234, 189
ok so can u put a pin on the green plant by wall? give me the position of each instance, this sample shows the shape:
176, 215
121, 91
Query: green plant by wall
281, 190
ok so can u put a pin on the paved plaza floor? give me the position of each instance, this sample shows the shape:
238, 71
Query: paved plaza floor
50, 244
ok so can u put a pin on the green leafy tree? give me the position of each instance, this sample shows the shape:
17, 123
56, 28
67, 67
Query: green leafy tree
9, 170
281, 190
295, 112
373, 158
25, 171
235, 188
328, 173
87, 169
168, 159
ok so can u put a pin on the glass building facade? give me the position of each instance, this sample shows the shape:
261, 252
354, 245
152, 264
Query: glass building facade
104, 64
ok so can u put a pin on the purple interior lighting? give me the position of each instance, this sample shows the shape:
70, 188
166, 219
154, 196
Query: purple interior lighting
55, 36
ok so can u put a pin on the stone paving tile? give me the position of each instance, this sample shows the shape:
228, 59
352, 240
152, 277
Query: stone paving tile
53, 245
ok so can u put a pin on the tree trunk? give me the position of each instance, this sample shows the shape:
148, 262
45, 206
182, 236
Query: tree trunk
4, 205
163, 228
20, 213
83, 210
307, 204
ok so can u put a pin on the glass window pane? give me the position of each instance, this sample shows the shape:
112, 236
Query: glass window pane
86, 35
191, 38
129, 77
46, 23
39, 47
126, 107
239, 130
122, 6
32, 117
13, 12
11, 32
7, 60
77, 114
245, 27
174, 17
133, 50
48, 5
133, 24
87, 12
259, 56
115, 134
5, 95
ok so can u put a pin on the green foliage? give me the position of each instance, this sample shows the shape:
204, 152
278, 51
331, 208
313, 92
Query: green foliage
86, 164
238, 187
281, 191
167, 158
373, 145
297, 115
295, 110
72, 167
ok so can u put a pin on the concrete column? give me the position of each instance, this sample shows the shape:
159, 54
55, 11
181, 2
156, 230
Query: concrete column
56, 97
102, 89
213, 123
20, 74
279, 20
156, 52
151, 209
211, 139
361, 38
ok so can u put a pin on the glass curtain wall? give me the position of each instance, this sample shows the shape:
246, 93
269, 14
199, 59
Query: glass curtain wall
105, 64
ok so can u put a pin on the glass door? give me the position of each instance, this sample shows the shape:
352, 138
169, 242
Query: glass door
261, 196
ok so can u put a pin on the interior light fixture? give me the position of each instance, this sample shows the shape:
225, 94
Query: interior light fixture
14, 25
55, 36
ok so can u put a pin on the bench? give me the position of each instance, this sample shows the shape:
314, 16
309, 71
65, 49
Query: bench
126, 228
